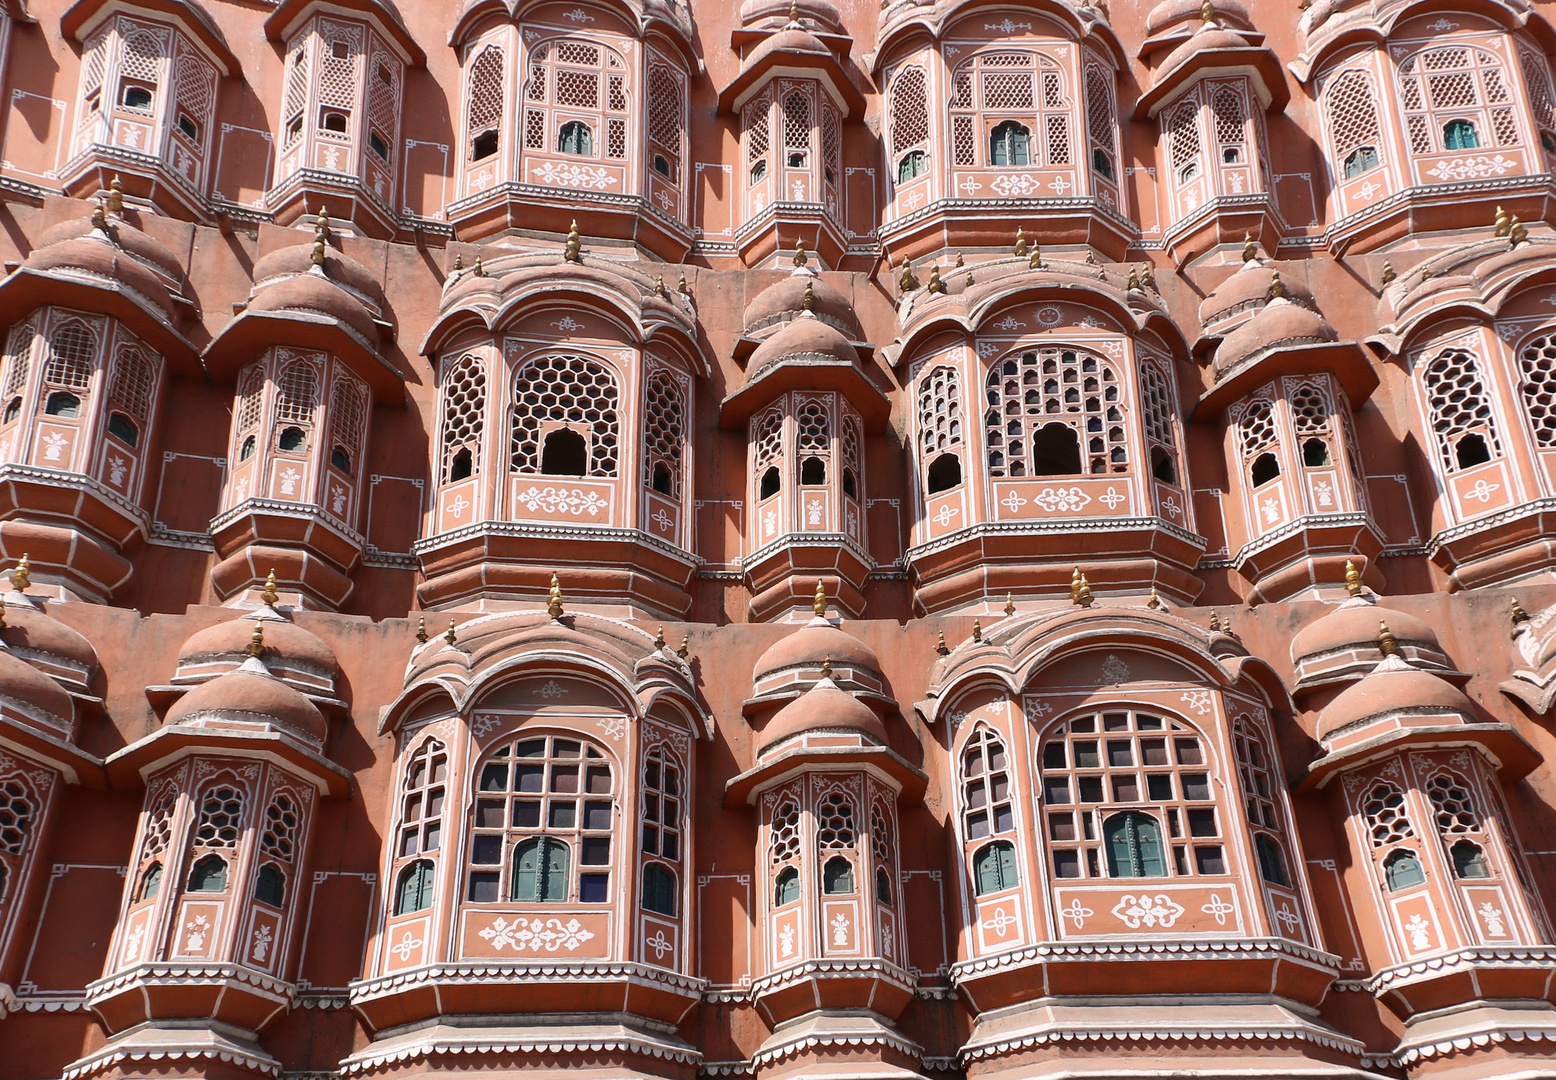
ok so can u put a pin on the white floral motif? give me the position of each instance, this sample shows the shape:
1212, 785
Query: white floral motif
54, 446
1001, 921
1078, 912
1287, 918
289, 478
1170, 505
1060, 185
660, 944
1271, 510
536, 934
1112, 498
583, 176
662, 520
1114, 671
1493, 918
1420, 932
813, 513
1218, 909
407, 945
1323, 491
614, 726
551, 690
1007, 27
1198, 700
261, 945
1146, 910
458, 507
786, 940
945, 515
1467, 168
567, 324
1062, 500
1036, 710
485, 723
770, 522
1482, 491
1015, 185
1008, 323
337, 499
970, 186
1013, 502
840, 929
132, 943
579, 15
563, 501
196, 929
117, 467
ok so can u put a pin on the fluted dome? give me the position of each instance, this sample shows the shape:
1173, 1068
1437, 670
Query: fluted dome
786, 300
823, 707
1247, 290
813, 645
32, 632
1170, 12
96, 257
1209, 38
246, 696
804, 339
298, 259
33, 693
1280, 323
1354, 625
1393, 687
812, 11
290, 644
140, 244
315, 293
790, 40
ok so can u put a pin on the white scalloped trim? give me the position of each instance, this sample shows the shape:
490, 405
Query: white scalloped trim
372, 989
108, 1057
1532, 956
1239, 948
431, 1046
831, 969
183, 974
1478, 1041
1176, 1033
811, 1041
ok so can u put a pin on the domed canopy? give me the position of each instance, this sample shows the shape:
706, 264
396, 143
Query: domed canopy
1280, 323
142, 245
1209, 38
1394, 687
1248, 290
250, 695
95, 256
823, 707
287, 648
1170, 12
809, 11
37, 636
32, 693
811, 646
1355, 625
786, 300
806, 340
298, 259
316, 294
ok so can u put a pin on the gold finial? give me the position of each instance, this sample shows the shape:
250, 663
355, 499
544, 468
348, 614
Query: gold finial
479, 270
1226, 626
1036, 261
21, 577
906, 282
960, 262
116, 195
659, 638
1148, 277
1206, 12
2, 611
421, 630
809, 303
1503, 224
1388, 272
935, 285
322, 224
1021, 241
1091, 257
257, 639
659, 287
317, 257
268, 594
573, 252
1134, 279
1276, 289
1155, 602
554, 604
826, 668
1250, 249
683, 288
818, 603
1519, 615
1353, 582
1010, 604
800, 258
977, 630
100, 217
1388, 644
794, 11
1426, 273
1215, 622
449, 635
1080, 589
1516, 233
940, 646
1102, 274
686, 647
459, 261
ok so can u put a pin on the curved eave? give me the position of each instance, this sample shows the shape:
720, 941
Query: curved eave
26, 289
280, 23
74, 764
1164, 41
1346, 361
1393, 338
84, 16
911, 781
1362, 27
1258, 63
252, 331
128, 768
794, 373
647, 20
825, 69
654, 691
17, 10
935, 21
1508, 751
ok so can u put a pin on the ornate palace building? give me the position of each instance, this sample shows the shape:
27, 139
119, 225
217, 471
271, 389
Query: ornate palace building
955, 539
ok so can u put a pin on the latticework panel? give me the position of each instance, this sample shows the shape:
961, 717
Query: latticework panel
666, 102
1156, 403
1451, 94
1183, 138
783, 838
908, 110
134, 375
251, 397
835, 823
348, 409
18, 349
1384, 811
940, 410
1000, 84
297, 392
17, 809
1351, 108
573, 390
1310, 410
1027, 393
796, 121
483, 87
72, 357
1256, 428
813, 427
767, 438
340, 64
1453, 803
221, 818
664, 432
1457, 402
757, 126
1537, 84
282, 828
1537, 364
464, 409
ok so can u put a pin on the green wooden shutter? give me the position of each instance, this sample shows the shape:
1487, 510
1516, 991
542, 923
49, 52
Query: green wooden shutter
526, 867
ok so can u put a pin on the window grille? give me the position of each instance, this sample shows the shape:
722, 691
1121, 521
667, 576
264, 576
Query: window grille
423, 792
1231, 119
666, 101
143, 53
662, 806
1156, 404
251, 397
159, 824
1455, 97
767, 438
574, 391
853, 455
1459, 409
282, 828
1383, 810
17, 352
194, 81
348, 404
909, 110
17, 808
754, 121
340, 69
544, 821
72, 356
1310, 410
1101, 121
1537, 364
663, 434
1135, 787
1257, 777
1256, 429
568, 77
1537, 81
383, 97
133, 378
221, 818
1028, 396
1454, 805
783, 840
484, 86
1183, 139
297, 392
796, 121
940, 410
813, 427
987, 797
994, 85
1350, 105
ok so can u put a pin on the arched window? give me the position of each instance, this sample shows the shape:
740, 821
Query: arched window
786, 889
757, 129
134, 376
1183, 141
1459, 824
883, 886
1537, 365
564, 452
944, 473
836, 831
1101, 122
1121, 757
994, 868
663, 434
1310, 421
1230, 114
783, 852
940, 427
249, 408
813, 434
1159, 410
422, 794
1272, 865
1456, 97
571, 390
464, 416
661, 806
1256, 777
1077, 390
1020, 100
208, 875
150, 882
567, 77
1134, 845
544, 804
156, 837
768, 451
413, 888
1459, 410
911, 165
348, 408
986, 794
908, 122
72, 357
62, 404
666, 101
837, 877
659, 891
270, 885
1383, 810
1469, 861
1351, 109
1257, 434
1402, 870
1537, 84
484, 94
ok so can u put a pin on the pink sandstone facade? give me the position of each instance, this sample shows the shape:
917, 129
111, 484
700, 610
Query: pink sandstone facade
960, 539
